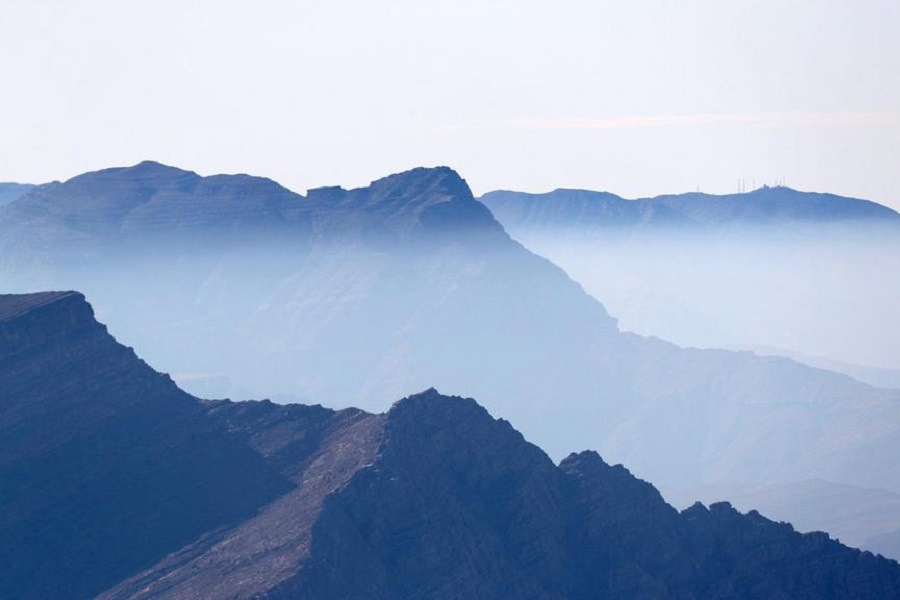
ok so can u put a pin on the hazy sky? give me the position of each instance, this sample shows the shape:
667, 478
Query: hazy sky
636, 97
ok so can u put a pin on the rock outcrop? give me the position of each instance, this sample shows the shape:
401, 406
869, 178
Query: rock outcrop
116, 480
363, 296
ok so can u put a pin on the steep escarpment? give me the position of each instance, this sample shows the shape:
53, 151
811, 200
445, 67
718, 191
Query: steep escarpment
273, 545
106, 465
459, 505
713, 552
409, 282
116, 480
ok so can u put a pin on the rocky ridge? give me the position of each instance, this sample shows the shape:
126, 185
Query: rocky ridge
409, 282
116, 479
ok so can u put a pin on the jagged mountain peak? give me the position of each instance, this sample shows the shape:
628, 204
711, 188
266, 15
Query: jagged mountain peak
164, 496
430, 402
432, 415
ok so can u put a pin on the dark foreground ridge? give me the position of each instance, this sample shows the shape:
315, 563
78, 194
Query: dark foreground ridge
114, 479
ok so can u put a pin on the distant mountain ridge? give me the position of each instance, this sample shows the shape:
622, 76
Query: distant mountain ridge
585, 211
151, 493
12, 191
364, 296
151, 200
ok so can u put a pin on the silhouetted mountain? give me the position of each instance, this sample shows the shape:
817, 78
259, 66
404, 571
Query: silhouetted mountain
874, 376
773, 205
580, 210
106, 465
115, 478
367, 295
772, 267
862, 518
585, 213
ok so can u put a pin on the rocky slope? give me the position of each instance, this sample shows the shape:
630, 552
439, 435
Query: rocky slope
106, 465
773, 267
113, 478
364, 296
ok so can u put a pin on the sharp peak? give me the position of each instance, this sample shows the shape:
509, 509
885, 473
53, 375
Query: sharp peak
431, 396
441, 179
431, 406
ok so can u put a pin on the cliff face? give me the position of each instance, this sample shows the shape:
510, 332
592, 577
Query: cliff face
114, 479
364, 296
106, 465
459, 505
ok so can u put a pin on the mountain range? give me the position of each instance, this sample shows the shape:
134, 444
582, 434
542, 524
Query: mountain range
584, 213
359, 297
119, 485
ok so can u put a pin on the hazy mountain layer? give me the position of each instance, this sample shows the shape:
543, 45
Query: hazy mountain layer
883, 378
12, 191
363, 296
774, 267
115, 478
581, 213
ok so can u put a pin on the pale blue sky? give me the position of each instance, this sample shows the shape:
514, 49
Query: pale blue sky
638, 98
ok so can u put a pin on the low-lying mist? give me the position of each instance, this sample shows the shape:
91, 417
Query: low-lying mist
828, 299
